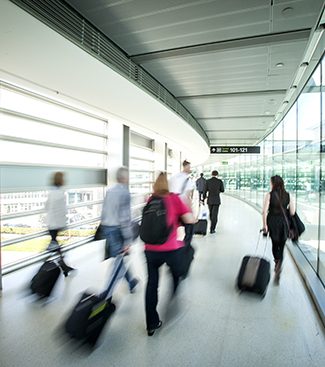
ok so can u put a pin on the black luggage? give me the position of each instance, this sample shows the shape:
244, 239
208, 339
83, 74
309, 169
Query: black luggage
45, 279
254, 274
201, 227
186, 258
88, 318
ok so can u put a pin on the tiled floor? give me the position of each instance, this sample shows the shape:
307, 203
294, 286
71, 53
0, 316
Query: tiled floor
210, 324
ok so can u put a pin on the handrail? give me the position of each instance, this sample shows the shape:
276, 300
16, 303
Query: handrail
43, 211
46, 232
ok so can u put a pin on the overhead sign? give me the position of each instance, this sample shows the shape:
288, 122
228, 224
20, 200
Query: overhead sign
235, 150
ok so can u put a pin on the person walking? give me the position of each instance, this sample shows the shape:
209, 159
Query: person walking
182, 185
214, 187
168, 252
275, 221
200, 186
56, 218
116, 225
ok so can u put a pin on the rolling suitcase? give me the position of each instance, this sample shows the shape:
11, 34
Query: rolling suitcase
201, 226
91, 313
45, 279
254, 274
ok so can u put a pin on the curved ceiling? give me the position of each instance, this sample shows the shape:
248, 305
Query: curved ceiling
229, 62
32, 51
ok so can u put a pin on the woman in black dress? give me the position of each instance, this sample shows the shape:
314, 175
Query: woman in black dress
276, 205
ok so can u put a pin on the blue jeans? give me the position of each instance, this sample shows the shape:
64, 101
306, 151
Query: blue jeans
115, 239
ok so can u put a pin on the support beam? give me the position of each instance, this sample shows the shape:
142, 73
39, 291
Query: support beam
239, 43
234, 130
254, 93
234, 117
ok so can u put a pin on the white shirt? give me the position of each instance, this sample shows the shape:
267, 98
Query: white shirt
56, 208
177, 185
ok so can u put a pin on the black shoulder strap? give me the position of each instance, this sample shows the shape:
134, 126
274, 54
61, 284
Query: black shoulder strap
283, 212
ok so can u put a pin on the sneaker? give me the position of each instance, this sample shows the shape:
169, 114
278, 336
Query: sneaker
134, 282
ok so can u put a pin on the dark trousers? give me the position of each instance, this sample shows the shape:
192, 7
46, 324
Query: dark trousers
64, 267
214, 211
201, 196
277, 249
154, 262
189, 231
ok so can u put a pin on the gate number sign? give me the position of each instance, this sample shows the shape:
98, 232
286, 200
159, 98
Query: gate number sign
235, 150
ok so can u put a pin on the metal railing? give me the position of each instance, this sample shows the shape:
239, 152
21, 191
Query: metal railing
69, 23
44, 254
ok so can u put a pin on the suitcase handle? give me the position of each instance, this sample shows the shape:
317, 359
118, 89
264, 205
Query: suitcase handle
259, 240
118, 263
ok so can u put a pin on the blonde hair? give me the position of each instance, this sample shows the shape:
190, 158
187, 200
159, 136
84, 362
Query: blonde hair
160, 187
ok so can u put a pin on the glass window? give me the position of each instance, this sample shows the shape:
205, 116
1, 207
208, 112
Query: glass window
309, 165
290, 151
321, 263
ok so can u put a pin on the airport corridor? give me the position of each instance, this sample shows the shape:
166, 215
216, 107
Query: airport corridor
208, 324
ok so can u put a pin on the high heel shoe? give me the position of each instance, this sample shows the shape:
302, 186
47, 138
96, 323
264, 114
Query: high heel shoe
152, 331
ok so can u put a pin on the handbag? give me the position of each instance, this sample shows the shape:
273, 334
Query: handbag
98, 234
297, 225
294, 223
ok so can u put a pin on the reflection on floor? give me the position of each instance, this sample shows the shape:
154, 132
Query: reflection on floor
209, 325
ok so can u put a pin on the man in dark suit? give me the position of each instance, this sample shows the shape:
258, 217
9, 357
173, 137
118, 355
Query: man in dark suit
213, 187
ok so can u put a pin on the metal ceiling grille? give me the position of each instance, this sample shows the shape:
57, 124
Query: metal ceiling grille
69, 23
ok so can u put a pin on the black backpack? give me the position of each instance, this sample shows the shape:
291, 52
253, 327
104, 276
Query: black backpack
154, 229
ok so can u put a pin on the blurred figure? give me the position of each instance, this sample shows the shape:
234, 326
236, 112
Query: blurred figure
116, 220
201, 186
167, 252
214, 187
182, 185
56, 208
275, 222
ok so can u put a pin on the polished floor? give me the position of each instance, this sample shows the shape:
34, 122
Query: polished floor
209, 324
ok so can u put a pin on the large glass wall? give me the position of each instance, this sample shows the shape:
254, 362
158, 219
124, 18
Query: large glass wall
294, 150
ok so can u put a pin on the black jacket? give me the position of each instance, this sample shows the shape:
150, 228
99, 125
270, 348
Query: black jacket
214, 186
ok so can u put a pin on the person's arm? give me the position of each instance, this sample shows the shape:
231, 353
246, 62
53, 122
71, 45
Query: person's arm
222, 188
183, 211
292, 206
125, 218
188, 218
265, 211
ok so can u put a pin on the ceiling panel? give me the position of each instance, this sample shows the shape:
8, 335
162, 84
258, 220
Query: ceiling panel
239, 124
254, 74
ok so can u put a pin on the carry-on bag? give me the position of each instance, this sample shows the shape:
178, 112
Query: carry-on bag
45, 279
254, 274
201, 226
91, 313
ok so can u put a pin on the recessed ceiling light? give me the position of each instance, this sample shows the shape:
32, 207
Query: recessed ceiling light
279, 65
286, 12
267, 112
